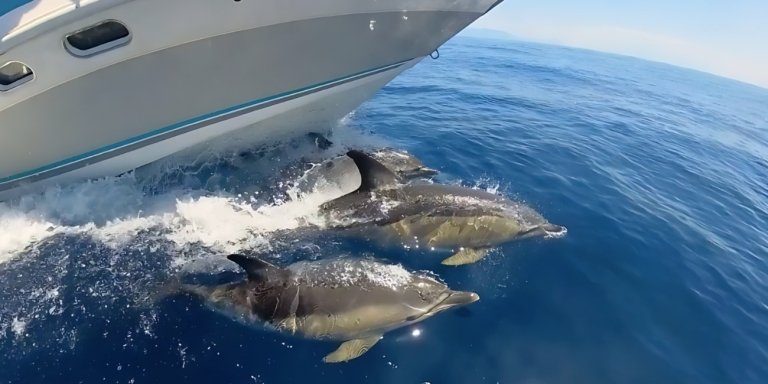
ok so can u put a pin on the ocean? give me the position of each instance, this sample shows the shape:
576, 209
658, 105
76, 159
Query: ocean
659, 173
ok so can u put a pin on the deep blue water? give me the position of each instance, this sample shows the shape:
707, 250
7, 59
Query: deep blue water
10, 5
658, 172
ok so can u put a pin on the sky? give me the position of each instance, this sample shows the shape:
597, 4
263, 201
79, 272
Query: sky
724, 37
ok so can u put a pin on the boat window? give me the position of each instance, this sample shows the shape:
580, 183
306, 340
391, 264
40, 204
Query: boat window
13, 74
97, 38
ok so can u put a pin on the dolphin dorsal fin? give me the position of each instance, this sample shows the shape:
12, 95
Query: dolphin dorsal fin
257, 269
373, 174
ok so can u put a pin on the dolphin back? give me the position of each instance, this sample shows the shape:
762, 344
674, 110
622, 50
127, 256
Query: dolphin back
373, 174
259, 270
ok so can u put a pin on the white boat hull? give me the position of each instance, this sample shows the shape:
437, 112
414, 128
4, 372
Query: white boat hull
179, 84
286, 119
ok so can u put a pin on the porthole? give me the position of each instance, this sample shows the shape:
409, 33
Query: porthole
13, 74
97, 38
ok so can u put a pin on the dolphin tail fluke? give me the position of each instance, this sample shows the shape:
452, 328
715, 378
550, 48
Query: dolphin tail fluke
170, 288
352, 349
466, 256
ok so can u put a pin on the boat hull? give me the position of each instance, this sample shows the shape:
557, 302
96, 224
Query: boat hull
162, 94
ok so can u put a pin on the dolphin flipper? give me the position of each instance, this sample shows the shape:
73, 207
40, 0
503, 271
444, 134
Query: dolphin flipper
351, 349
170, 288
466, 256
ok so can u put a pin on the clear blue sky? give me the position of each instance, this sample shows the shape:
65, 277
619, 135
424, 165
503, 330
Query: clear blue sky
725, 37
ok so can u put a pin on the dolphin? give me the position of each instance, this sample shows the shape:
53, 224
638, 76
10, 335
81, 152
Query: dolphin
337, 176
404, 164
468, 221
355, 301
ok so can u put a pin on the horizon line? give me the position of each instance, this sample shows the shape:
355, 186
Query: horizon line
504, 35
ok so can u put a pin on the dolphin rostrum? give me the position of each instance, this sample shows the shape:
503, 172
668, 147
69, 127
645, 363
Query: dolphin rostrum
354, 301
468, 221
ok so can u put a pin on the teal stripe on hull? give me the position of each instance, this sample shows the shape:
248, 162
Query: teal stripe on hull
195, 120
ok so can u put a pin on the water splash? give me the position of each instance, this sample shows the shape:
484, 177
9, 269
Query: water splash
78, 257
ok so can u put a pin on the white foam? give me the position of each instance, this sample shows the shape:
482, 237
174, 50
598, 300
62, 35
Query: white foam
77, 208
387, 205
216, 222
18, 231
18, 327
351, 272
115, 211
156, 221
